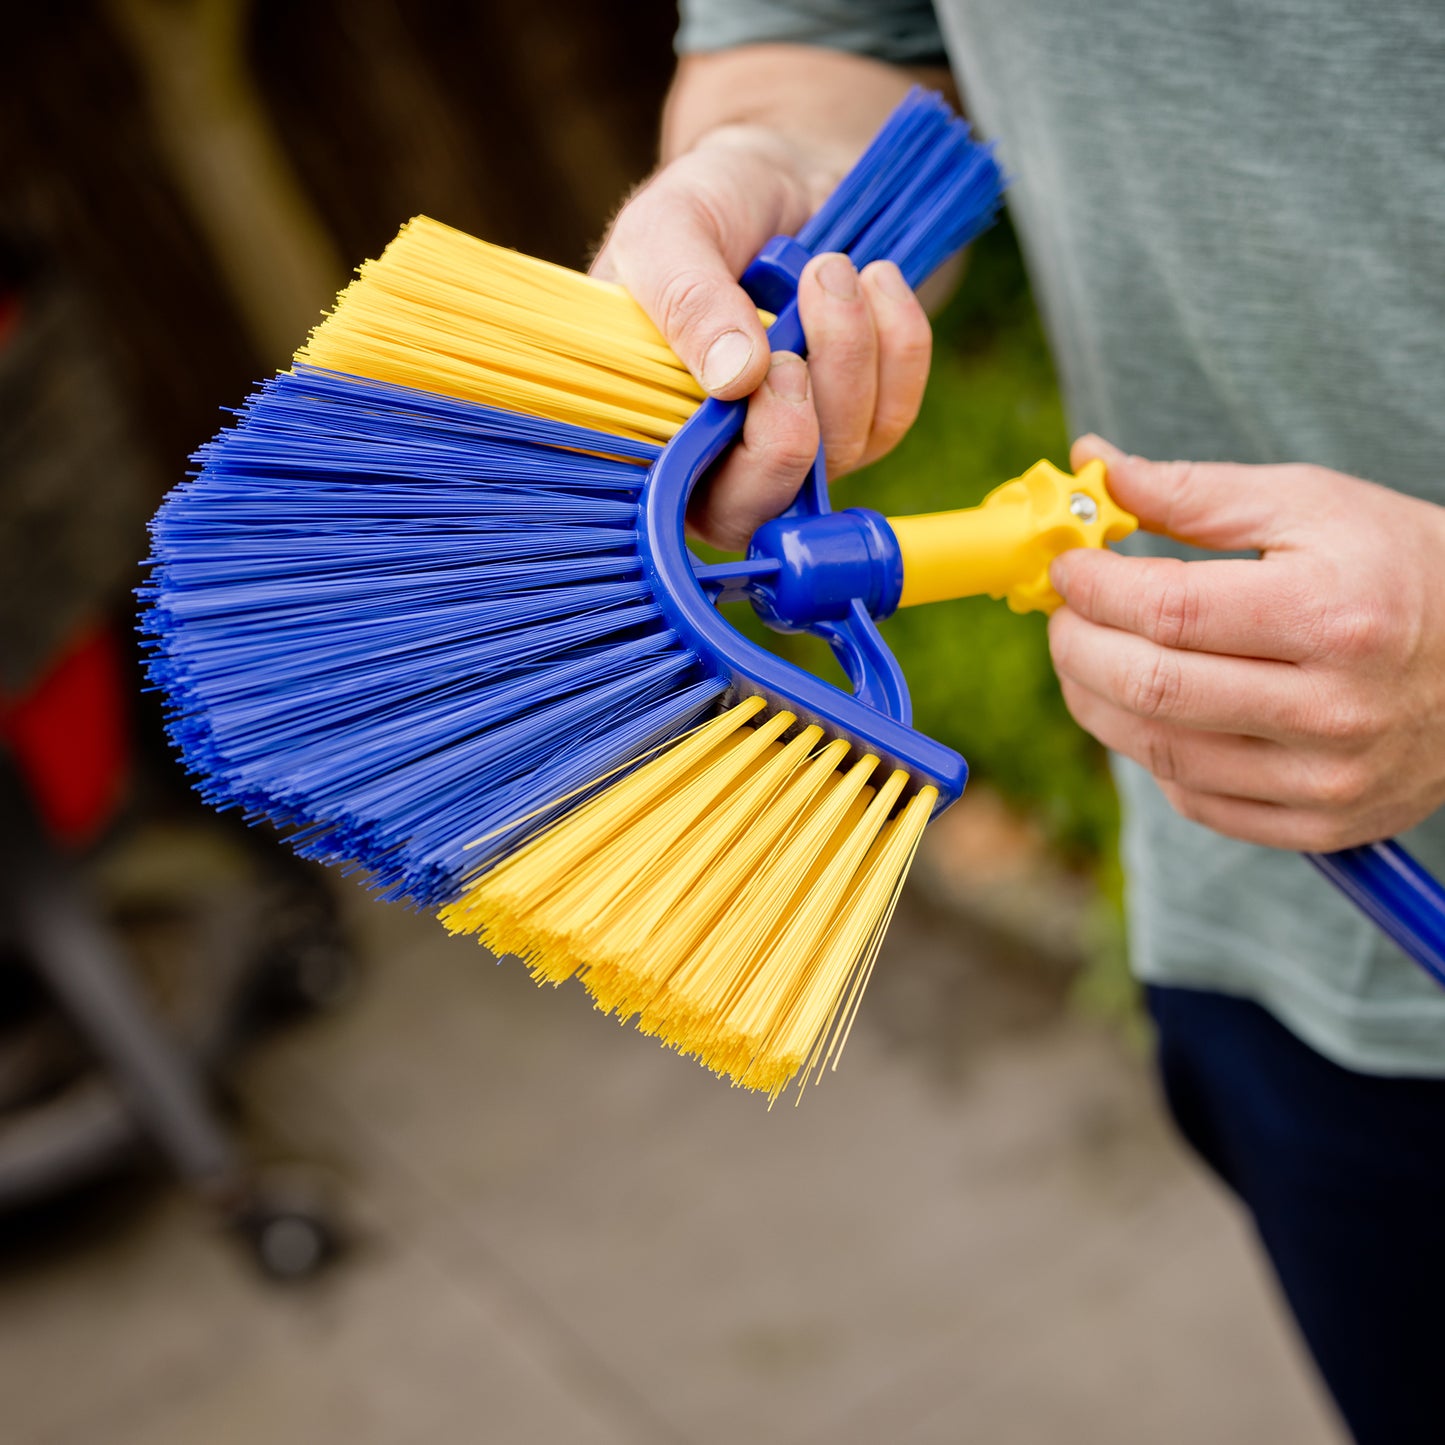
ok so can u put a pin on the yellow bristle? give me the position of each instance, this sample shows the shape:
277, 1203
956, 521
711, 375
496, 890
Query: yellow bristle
620, 940
584, 900
816, 1024
731, 894
782, 988
707, 985
707, 903
446, 312
743, 1039
502, 905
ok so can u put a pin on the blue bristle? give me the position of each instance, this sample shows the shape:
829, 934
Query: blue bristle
392, 623
396, 624
921, 190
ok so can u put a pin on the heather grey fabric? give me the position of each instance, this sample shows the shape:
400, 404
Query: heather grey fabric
905, 31
1234, 217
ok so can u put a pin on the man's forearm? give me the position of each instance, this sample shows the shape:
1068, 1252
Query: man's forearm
824, 104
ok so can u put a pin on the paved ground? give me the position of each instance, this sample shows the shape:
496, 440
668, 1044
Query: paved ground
977, 1231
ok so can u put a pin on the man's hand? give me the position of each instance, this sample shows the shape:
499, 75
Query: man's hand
748, 167
1297, 700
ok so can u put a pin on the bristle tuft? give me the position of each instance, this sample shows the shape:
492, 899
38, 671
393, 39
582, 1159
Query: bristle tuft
390, 623
729, 895
444, 311
923, 189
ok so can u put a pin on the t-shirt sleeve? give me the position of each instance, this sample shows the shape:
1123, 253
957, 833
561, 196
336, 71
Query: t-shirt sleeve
902, 31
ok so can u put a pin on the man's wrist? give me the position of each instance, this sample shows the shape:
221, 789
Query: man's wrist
827, 104
811, 172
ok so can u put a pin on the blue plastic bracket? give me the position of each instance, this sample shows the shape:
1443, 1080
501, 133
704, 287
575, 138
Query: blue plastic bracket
876, 717
735, 581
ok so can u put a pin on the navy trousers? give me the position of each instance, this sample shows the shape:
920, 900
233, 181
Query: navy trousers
1344, 1175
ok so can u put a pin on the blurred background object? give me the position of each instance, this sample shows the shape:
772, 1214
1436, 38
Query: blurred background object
97, 1057
977, 1230
163, 245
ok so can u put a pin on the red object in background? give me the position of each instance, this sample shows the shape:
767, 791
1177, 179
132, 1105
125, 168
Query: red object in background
70, 738
9, 314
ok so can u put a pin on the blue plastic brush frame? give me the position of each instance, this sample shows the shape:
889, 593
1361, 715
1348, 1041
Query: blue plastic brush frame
1382, 879
875, 719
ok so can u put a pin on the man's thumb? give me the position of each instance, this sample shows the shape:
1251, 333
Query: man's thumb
662, 250
1221, 505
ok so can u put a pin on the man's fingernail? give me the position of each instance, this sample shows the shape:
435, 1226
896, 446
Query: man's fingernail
788, 376
838, 277
1059, 573
726, 360
889, 280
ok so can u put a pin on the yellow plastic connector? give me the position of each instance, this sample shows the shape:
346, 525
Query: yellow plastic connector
1003, 546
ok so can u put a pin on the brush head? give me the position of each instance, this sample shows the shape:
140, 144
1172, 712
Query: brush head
428, 607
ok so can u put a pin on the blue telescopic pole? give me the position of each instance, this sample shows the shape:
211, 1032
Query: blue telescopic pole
1397, 894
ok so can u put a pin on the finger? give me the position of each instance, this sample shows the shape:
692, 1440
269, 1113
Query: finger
1270, 824
1203, 761
1208, 504
666, 249
1192, 689
1241, 608
842, 356
905, 349
1223, 763
761, 475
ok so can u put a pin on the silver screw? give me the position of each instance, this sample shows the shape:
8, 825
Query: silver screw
1084, 507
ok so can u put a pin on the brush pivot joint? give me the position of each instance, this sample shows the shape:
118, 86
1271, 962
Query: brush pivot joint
825, 563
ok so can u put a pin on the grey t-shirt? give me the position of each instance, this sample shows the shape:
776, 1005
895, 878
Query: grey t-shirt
1234, 218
